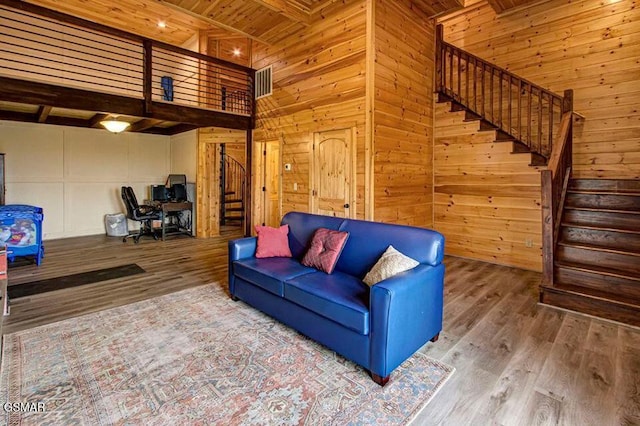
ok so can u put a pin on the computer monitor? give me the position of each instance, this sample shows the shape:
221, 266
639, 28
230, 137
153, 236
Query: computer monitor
179, 192
159, 193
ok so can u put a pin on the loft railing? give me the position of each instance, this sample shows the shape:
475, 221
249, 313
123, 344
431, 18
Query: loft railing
42, 45
233, 183
523, 110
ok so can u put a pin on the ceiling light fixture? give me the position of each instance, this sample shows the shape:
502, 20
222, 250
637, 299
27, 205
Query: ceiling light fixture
114, 125
236, 52
162, 24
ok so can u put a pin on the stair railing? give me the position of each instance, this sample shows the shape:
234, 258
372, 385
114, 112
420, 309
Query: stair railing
233, 183
555, 181
525, 111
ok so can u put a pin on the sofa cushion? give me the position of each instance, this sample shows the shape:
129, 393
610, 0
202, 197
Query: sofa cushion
368, 240
339, 297
272, 242
301, 229
391, 263
324, 250
269, 273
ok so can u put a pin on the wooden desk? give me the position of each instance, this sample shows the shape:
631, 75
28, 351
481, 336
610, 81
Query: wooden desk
176, 228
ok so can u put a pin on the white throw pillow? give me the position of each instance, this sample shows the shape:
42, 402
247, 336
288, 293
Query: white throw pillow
391, 262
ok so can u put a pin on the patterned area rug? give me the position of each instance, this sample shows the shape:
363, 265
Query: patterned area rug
196, 357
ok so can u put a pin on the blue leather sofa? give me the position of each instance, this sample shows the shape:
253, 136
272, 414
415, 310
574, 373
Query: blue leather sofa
376, 327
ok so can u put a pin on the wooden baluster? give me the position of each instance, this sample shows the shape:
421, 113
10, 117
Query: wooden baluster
529, 117
451, 70
539, 120
466, 82
482, 89
459, 82
519, 125
500, 102
475, 93
439, 62
510, 102
547, 150
493, 118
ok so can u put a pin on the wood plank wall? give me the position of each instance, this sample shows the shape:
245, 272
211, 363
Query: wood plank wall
208, 172
324, 79
318, 85
403, 118
588, 46
487, 200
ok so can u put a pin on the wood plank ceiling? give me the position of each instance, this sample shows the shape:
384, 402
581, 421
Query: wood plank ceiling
264, 21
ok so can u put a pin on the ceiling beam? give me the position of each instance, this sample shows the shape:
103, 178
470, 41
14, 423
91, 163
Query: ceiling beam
209, 20
287, 9
144, 124
43, 113
94, 122
33, 118
33, 93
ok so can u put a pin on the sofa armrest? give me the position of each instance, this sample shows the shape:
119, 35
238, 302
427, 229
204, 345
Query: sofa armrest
406, 312
242, 248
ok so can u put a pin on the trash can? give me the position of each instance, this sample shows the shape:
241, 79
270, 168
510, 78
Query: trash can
116, 225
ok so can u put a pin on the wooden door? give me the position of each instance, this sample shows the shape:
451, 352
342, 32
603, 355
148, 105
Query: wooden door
333, 169
267, 208
272, 179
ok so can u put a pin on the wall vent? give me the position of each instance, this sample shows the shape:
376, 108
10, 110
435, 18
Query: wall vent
264, 83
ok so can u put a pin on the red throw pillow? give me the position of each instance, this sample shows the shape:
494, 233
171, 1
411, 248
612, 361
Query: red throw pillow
273, 242
324, 251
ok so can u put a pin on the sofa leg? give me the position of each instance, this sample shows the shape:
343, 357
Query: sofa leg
435, 338
234, 298
380, 380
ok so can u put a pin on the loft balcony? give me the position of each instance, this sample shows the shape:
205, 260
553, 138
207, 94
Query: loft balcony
59, 69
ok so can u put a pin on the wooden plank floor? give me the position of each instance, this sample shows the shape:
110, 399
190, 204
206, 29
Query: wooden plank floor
517, 362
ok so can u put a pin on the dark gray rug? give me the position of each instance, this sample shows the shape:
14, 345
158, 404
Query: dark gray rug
74, 280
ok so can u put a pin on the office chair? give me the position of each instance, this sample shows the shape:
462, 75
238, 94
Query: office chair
140, 213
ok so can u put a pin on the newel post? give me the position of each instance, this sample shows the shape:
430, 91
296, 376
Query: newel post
439, 83
548, 214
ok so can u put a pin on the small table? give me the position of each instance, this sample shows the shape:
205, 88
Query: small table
176, 228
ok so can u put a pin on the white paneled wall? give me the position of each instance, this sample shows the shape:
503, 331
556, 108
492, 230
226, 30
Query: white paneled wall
75, 174
184, 154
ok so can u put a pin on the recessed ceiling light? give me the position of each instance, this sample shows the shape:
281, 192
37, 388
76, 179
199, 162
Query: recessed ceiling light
162, 24
236, 52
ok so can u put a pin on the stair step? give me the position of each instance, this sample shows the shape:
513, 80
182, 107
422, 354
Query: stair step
625, 262
538, 160
627, 220
234, 209
600, 237
597, 278
503, 136
233, 200
592, 302
608, 185
233, 219
471, 116
603, 200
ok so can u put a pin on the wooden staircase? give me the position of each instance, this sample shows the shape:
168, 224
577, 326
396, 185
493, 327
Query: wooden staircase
232, 184
517, 146
233, 208
597, 258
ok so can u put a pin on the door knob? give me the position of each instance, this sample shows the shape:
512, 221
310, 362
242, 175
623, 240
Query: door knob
346, 206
